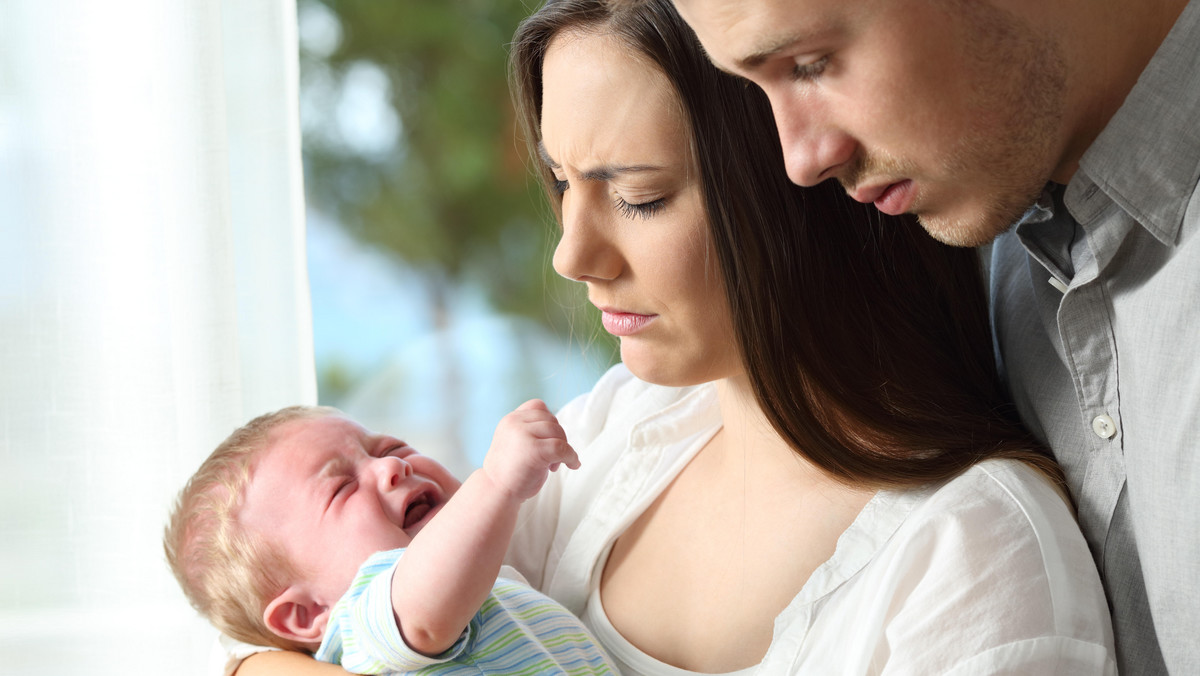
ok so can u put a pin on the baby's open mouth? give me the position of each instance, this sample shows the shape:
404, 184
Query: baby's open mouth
417, 509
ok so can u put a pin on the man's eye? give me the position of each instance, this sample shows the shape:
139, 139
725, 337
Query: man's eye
811, 70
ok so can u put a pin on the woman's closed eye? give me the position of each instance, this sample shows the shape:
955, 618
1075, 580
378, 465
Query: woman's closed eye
639, 209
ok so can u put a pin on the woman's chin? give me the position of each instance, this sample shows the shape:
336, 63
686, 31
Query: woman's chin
662, 370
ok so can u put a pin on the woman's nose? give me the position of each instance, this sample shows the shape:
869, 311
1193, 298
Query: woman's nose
584, 253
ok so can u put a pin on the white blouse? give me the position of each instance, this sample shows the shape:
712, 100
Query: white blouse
985, 574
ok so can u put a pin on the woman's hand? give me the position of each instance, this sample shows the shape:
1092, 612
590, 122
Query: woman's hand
286, 663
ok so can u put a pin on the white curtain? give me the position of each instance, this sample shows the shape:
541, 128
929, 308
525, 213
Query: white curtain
153, 296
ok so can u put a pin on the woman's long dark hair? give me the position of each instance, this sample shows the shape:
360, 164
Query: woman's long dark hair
866, 341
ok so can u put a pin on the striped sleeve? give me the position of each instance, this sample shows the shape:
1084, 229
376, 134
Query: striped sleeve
362, 635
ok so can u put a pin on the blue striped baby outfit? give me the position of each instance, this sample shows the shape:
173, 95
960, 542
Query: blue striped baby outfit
517, 631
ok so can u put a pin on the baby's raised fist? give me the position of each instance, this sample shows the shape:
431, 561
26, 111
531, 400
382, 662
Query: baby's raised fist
528, 445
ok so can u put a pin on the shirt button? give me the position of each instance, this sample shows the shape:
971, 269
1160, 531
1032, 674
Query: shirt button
1104, 427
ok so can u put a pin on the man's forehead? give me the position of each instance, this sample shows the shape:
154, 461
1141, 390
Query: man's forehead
741, 35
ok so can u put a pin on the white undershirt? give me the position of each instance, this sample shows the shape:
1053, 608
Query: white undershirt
629, 658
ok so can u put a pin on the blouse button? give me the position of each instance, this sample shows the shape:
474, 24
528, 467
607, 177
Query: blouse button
1104, 427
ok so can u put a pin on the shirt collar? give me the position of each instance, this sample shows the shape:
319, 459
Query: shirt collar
675, 414
1147, 159
1040, 212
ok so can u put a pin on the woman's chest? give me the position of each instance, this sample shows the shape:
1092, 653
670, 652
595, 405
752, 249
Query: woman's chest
699, 577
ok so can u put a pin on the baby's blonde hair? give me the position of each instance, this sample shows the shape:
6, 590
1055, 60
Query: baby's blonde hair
228, 574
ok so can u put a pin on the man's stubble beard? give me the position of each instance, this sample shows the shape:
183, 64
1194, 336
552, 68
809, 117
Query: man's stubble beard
1011, 147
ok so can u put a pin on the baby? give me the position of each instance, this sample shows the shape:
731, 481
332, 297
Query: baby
307, 532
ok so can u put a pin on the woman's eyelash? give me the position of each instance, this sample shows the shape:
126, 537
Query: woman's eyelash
642, 210
626, 209
809, 71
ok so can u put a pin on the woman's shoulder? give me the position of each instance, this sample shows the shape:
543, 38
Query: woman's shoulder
997, 504
1002, 528
988, 562
1003, 486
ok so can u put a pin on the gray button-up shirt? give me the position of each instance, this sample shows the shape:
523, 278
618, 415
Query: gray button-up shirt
1096, 311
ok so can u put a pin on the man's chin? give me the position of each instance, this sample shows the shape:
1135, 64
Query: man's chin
969, 230
956, 233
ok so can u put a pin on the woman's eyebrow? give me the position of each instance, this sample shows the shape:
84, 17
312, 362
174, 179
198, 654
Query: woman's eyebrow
609, 172
541, 151
603, 173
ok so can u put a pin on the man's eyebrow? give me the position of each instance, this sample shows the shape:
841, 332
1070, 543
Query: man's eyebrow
602, 173
772, 46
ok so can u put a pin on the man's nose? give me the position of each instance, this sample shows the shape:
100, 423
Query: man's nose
814, 148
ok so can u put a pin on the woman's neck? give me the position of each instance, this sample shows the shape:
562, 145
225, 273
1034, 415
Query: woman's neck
746, 433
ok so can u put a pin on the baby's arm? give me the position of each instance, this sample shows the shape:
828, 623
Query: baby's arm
449, 568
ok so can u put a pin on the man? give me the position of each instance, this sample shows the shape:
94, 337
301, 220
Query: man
1067, 134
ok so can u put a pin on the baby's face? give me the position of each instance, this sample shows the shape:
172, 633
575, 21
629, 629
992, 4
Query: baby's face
331, 494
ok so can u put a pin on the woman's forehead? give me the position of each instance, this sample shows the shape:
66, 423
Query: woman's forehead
603, 106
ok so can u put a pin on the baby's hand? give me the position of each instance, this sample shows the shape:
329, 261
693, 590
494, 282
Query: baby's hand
528, 445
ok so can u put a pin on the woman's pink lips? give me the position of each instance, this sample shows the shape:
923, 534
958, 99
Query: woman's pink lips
624, 323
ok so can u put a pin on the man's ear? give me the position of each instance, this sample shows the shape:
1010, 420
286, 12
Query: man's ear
296, 616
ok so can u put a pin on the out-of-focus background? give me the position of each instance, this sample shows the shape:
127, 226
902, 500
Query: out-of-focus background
435, 310
216, 208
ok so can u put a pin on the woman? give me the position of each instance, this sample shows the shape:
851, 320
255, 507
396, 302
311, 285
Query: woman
805, 463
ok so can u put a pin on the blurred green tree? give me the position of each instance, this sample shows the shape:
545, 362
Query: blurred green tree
449, 192
411, 145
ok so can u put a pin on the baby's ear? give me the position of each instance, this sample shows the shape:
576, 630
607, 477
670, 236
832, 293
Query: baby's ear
296, 616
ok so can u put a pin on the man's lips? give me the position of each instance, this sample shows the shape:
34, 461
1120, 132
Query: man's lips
621, 323
890, 198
